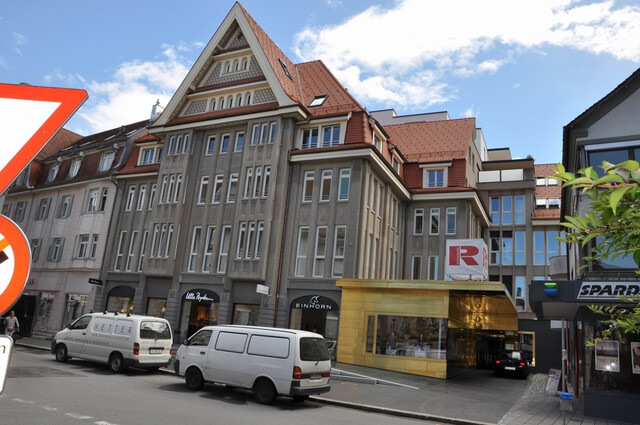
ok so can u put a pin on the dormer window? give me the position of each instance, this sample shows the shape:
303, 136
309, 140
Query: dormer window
435, 175
318, 100
321, 136
106, 161
75, 167
53, 171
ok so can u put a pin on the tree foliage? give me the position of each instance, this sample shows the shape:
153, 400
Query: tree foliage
614, 218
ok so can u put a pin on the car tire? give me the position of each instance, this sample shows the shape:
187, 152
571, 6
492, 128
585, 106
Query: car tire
116, 363
265, 391
193, 378
62, 354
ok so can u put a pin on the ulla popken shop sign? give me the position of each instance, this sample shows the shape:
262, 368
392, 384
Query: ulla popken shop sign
607, 290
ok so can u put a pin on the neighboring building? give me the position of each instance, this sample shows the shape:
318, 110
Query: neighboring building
605, 378
63, 203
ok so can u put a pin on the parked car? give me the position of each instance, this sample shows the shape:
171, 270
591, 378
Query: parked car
511, 362
119, 340
269, 361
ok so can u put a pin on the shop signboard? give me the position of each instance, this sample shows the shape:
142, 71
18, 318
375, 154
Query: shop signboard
467, 259
607, 291
315, 302
202, 295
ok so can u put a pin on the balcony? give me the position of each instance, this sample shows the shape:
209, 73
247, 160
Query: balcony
501, 176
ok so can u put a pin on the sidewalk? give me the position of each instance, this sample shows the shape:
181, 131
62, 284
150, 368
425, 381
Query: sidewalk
474, 398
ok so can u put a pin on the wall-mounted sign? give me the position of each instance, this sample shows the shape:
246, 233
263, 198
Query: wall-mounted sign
467, 259
604, 291
262, 289
315, 302
202, 295
608, 356
93, 281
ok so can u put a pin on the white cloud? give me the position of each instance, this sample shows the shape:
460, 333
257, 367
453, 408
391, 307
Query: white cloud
381, 54
19, 39
469, 112
130, 93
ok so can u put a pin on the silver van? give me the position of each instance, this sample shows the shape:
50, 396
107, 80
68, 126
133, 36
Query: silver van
269, 361
119, 340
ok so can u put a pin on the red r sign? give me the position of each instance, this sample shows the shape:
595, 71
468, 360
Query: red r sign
465, 253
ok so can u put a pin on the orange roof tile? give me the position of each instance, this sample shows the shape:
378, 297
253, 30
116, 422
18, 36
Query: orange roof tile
59, 141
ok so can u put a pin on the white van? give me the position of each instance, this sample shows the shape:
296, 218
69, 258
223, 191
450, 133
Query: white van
269, 361
120, 340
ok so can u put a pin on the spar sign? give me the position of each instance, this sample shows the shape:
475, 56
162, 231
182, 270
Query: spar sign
467, 259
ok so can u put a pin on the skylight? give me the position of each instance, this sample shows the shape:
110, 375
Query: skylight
286, 70
318, 100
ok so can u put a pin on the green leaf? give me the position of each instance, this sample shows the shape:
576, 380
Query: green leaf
588, 238
616, 196
608, 178
630, 165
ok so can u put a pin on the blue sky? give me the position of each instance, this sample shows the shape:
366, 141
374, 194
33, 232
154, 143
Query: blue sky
524, 69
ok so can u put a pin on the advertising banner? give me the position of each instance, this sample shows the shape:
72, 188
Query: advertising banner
467, 259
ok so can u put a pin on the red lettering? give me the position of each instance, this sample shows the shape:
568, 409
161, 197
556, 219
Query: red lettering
464, 253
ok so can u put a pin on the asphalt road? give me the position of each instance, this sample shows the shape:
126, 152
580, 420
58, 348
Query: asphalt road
39, 390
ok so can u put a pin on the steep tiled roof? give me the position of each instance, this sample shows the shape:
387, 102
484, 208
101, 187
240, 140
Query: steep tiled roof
433, 141
132, 167
59, 141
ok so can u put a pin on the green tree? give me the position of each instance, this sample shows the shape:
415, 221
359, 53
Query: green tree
614, 218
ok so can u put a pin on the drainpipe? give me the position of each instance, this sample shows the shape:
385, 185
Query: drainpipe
282, 240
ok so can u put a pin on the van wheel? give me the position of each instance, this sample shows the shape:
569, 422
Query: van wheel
116, 363
300, 398
265, 391
193, 378
61, 353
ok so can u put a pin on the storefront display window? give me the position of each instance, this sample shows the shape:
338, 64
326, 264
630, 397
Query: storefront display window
75, 308
199, 309
156, 307
527, 344
245, 314
411, 336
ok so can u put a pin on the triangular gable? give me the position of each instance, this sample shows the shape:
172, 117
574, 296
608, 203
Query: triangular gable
237, 31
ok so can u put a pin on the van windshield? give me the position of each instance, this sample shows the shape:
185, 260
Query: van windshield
154, 330
313, 349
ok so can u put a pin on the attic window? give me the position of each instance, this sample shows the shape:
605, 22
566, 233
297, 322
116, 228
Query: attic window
318, 100
286, 70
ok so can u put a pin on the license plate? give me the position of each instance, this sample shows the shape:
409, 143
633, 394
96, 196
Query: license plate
155, 350
315, 376
509, 368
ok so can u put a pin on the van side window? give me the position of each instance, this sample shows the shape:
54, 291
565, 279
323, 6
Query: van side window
269, 346
81, 323
313, 349
231, 341
201, 338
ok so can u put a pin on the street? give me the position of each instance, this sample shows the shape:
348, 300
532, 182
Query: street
40, 390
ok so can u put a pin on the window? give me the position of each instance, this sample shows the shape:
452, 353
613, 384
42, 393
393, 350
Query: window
416, 267
494, 202
265, 182
435, 178
53, 171
217, 189
94, 246
232, 191
239, 142
343, 189
321, 248
241, 239
132, 243
195, 243
106, 160
377, 142
211, 144
248, 183
167, 249
224, 249
310, 138
258, 184
172, 181
185, 145
301, 253
120, 250
35, 249
163, 189
255, 134
130, 197
307, 188
176, 198
83, 246
520, 251
250, 233
432, 273
339, 243
6, 210
172, 143
318, 100
143, 247
224, 146
507, 210
152, 196
202, 194
395, 164
75, 167
163, 233
93, 200
451, 221
519, 209
418, 221
521, 293
179, 144
208, 249
435, 221
147, 156
154, 240
325, 188
43, 209
18, 214
141, 197
273, 129
259, 240
264, 133
411, 341
55, 250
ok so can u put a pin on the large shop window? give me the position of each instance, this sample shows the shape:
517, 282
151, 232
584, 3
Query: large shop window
423, 337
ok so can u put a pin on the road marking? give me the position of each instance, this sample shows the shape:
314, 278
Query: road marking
20, 400
78, 416
49, 408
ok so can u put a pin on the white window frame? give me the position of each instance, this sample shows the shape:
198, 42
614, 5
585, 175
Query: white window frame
432, 272
418, 213
154, 240
223, 249
265, 181
338, 250
426, 169
176, 198
208, 249
345, 179
119, 251
232, 188
106, 160
83, 246
240, 244
193, 254
167, 249
248, 183
320, 253
204, 185
211, 146
451, 218
224, 144
94, 246
218, 186
259, 236
132, 242
257, 191
327, 176
301, 252
143, 247
152, 195
307, 185
434, 212
251, 230
237, 147
416, 260
142, 194
131, 195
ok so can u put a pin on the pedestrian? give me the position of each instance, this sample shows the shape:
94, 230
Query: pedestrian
11, 324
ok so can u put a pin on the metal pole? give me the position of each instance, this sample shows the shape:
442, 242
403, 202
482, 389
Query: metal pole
564, 379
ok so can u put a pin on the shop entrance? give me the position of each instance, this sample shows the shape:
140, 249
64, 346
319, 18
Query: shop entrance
199, 309
315, 313
489, 344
